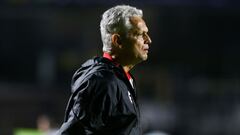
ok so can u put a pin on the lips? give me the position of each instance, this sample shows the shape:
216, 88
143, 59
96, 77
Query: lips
146, 51
146, 48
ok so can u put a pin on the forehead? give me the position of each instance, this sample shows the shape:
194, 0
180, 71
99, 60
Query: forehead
138, 23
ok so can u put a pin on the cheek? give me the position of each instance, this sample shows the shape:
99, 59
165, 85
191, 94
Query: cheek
140, 43
140, 40
136, 44
138, 48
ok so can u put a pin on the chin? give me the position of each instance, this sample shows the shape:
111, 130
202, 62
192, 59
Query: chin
141, 58
144, 57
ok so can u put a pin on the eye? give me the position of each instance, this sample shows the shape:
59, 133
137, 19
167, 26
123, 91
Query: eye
139, 34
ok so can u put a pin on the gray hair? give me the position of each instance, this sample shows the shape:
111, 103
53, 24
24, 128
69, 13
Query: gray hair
116, 20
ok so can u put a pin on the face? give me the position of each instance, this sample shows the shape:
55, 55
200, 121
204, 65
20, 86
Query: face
137, 41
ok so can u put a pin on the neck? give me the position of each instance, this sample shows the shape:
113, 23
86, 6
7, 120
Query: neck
127, 66
124, 62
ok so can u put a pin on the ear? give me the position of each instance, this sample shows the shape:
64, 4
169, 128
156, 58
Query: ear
116, 41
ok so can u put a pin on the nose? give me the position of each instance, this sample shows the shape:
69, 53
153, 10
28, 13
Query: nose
147, 39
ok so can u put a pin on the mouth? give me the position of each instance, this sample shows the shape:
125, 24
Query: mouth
146, 49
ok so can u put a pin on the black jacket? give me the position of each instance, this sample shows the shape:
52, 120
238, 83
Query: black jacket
102, 102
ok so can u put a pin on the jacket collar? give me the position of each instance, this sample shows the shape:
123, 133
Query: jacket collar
108, 56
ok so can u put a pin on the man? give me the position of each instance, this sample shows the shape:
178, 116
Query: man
103, 99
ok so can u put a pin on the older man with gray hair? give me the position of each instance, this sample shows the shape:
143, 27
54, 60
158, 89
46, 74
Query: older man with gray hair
103, 99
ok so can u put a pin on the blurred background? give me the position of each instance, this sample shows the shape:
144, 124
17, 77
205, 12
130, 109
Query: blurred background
190, 84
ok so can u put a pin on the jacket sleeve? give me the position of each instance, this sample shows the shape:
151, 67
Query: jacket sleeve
90, 107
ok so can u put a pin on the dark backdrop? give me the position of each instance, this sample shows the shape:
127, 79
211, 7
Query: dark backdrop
190, 84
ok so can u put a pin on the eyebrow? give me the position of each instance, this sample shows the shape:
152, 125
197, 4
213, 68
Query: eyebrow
143, 31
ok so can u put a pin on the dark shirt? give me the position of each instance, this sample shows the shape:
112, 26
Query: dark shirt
103, 102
